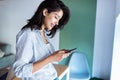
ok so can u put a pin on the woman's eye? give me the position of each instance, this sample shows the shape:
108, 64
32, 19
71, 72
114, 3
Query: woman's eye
56, 17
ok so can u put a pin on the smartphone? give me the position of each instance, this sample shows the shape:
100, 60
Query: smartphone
67, 51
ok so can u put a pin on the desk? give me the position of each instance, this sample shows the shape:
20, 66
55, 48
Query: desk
62, 70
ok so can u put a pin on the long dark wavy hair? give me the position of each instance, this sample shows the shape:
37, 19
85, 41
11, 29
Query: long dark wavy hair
51, 5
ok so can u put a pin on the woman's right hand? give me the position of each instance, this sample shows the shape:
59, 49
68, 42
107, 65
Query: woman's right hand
58, 55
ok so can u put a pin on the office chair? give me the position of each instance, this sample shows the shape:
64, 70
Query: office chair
79, 68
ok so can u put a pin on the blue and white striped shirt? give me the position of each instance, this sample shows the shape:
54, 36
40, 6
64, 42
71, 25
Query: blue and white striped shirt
30, 48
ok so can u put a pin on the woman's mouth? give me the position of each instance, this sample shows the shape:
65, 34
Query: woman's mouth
52, 25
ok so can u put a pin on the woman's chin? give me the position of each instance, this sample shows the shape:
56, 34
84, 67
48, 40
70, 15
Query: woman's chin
50, 28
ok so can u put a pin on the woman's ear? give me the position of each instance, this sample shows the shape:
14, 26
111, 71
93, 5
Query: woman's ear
45, 12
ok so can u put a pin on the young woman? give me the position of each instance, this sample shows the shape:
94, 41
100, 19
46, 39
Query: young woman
34, 52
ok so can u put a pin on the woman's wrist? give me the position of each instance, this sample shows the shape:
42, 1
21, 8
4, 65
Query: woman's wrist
50, 59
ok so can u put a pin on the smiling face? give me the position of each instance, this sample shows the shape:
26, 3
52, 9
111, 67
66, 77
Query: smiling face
51, 19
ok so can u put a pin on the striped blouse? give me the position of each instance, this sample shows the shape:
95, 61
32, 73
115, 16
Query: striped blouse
30, 48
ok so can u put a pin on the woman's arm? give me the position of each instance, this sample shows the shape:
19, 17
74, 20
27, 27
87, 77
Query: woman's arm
24, 54
56, 56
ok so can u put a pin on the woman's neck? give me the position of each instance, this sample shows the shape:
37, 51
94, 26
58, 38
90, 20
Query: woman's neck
43, 34
42, 28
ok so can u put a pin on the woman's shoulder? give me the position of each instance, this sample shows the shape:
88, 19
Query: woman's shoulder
24, 32
27, 32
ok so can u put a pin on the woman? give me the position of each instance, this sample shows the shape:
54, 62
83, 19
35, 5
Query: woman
34, 52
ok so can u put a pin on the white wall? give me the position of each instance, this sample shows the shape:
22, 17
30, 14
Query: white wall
115, 72
104, 34
13, 16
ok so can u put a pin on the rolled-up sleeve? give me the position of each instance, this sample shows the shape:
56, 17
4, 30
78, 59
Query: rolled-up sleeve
24, 54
